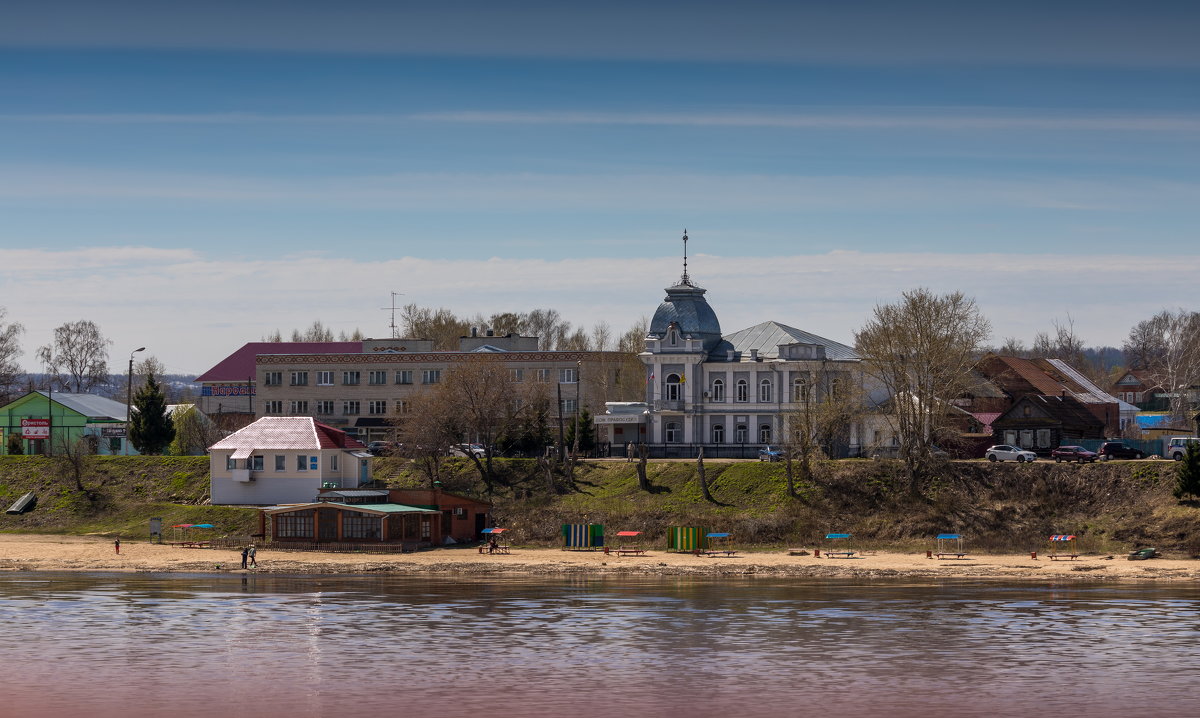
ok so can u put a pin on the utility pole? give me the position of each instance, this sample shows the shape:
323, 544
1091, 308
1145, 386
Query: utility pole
562, 442
129, 397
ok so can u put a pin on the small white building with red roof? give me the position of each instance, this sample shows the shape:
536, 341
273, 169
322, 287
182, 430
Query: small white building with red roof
285, 460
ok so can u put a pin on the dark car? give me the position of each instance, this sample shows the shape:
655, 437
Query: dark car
1073, 453
770, 453
1117, 450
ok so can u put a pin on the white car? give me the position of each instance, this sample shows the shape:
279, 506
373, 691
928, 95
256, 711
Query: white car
468, 449
1003, 452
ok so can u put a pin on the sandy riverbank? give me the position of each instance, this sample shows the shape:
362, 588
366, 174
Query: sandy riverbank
27, 552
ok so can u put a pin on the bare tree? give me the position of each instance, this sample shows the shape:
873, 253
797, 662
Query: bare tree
1169, 346
701, 476
602, 338
77, 359
825, 406
921, 350
10, 349
316, 332
75, 459
194, 432
440, 325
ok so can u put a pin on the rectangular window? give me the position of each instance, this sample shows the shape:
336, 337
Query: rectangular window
273, 378
350, 378
324, 408
377, 377
349, 408
569, 406
114, 444
279, 462
324, 378
1043, 438
431, 376
402, 406
357, 525
274, 407
333, 462
517, 375
301, 463
377, 407
256, 463
297, 524
230, 464
543, 375
298, 407
299, 378
404, 376
568, 376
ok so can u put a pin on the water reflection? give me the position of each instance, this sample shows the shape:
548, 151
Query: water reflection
129, 645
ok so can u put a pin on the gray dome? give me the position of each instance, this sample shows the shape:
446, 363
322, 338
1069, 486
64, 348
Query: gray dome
686, 308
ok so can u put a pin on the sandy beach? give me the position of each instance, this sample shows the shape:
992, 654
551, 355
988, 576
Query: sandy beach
29, 552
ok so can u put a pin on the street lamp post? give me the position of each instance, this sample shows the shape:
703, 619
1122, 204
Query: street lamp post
129, 396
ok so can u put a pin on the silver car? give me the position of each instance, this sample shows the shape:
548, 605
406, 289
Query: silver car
1004, 452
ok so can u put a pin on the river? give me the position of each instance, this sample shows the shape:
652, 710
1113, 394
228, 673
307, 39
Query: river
178, 646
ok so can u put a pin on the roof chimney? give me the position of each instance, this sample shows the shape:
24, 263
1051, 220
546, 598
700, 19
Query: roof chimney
753, 355
474, 331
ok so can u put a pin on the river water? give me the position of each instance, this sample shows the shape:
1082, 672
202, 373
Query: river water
179, 646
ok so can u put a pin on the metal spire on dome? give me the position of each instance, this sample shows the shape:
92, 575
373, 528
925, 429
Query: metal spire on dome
685, 280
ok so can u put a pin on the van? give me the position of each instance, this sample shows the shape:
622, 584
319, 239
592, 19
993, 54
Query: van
1176, 446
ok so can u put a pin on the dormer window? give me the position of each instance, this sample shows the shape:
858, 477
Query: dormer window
673, 338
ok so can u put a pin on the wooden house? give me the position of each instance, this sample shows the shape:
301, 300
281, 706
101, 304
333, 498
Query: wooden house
1041, 423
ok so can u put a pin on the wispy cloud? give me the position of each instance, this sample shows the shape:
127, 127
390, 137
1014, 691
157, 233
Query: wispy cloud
967, 119
193, 309
424, 191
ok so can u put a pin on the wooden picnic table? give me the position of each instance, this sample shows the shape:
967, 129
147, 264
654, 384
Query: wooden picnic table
721, 552
630, 551
842, 554
954, 554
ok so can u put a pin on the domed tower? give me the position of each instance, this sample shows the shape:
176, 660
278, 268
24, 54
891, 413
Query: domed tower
682, 333
684, 323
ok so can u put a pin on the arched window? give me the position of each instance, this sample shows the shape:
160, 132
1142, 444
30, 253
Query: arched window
764, 390
672, 336
673, 392
718, 434
800, 389
764, 434
718, 390
740, 434
743, 391
673, 434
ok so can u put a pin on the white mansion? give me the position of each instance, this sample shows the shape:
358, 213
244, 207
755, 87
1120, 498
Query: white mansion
725, 392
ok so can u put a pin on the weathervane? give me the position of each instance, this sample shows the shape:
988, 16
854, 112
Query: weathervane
685, 279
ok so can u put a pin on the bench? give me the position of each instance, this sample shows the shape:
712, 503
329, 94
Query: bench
192, 544
798, 552
839, 554
1056, 556
631, 552
950, 555
721, 552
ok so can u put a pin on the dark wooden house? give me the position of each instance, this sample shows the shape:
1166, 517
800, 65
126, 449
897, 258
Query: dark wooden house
1041, 423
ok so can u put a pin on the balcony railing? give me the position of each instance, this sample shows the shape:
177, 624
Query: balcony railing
668, 404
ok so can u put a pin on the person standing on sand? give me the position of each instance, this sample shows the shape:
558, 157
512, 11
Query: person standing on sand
117, 545
252, 554
245, 555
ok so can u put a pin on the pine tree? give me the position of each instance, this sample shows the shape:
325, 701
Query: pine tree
150, 429
1188, 481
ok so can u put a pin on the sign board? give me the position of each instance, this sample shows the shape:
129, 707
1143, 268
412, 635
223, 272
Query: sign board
35, 428
227, 390
618, 419
113, 432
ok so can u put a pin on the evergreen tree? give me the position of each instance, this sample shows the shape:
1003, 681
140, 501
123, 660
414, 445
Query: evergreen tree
150, 429
587, 439
1188, 481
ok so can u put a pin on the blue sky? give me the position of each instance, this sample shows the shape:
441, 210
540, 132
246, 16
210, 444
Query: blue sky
257, 165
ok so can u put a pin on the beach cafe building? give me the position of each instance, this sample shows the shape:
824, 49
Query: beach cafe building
407, 518
48, 422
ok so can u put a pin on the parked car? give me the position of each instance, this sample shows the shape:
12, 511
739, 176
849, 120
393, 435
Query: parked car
770, 453
1073, 453
468, 450
1118, 450
1177, 446
1004, 452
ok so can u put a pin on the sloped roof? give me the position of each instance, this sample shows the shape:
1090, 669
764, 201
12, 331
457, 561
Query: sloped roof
686, 308
1065, 409
767, 336
90, 405
288, 432
239, 366
1018, 376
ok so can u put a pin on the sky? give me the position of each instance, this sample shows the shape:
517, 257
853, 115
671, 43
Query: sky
195, 177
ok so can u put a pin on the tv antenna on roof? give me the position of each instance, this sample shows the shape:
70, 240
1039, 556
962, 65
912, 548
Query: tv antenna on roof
395, 334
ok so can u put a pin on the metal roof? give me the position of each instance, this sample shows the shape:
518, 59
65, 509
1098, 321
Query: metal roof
351, 493
90, 405
365, 508
767, 336
287, 432
686, 307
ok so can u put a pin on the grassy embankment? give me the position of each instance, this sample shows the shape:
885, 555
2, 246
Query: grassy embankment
1113, 506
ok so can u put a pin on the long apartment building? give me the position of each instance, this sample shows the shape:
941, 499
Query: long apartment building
361, 388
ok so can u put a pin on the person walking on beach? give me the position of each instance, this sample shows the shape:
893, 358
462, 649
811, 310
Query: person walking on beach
117, 545
245, 555
252, 554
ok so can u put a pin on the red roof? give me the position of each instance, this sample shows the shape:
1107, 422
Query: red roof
331, 438
239, 366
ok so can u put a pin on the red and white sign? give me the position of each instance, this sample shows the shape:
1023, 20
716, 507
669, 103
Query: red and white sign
35, 428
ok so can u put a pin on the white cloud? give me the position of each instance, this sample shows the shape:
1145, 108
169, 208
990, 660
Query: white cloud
191, 310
